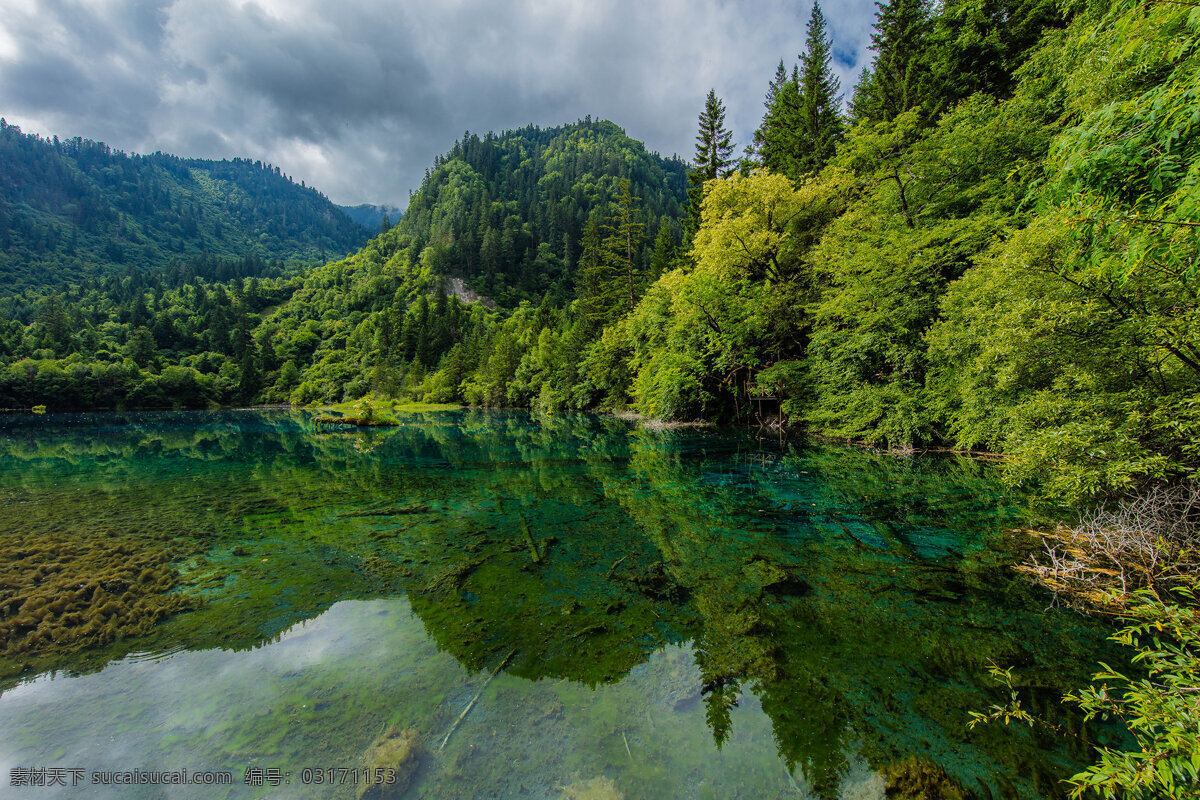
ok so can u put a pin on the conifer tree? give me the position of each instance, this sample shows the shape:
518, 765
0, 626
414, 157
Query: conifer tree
611, 276
861, 97
762, 144
819, 119
593, 302
664, 250
776, 141
900, 79
714, 143
714, 151
623, 244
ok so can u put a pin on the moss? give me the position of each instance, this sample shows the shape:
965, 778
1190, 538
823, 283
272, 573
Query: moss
60, 593
920, 779
595, 789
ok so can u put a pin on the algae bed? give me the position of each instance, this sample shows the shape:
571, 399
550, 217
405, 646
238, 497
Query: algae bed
618, 611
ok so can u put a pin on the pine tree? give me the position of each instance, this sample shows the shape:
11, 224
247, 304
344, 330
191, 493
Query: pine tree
776, 140
714, 144
862, 98
593, 303
611, 277
900, 78
762, 137
624, 243
820, 119
664, 250
714, 148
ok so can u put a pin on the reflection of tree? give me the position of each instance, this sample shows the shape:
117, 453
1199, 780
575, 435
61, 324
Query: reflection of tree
318, 518
906, 605
851, 592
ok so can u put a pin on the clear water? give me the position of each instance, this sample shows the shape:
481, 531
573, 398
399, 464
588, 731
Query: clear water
684, 613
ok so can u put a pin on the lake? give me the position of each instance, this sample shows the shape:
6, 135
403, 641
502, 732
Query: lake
494, 604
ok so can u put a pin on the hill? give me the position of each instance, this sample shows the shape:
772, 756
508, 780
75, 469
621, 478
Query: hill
76, 208
505, 216
371, 216
507, 212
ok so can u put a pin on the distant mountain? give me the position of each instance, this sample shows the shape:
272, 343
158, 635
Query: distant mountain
371, 216
72, 209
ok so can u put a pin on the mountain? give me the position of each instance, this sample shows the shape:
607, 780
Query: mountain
507, 212
503, 216
76, 208
371, 216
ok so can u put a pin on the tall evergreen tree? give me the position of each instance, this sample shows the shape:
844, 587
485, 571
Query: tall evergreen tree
611, 275
776, 141
714, 151
820, 118
901, 77
664, 250
623, 245
861, 96
714, 143
592, 288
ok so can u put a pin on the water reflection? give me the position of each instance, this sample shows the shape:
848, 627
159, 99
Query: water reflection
819, 620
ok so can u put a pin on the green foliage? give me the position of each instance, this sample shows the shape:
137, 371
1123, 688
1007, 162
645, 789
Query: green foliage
75, 208
1074, 345
1157, 706
1159, 709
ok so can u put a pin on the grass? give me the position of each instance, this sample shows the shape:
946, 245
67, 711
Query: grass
371, 411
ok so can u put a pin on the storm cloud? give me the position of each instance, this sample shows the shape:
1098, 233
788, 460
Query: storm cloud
357, 99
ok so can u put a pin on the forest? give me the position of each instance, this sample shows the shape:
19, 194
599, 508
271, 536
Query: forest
988, 244
73, 210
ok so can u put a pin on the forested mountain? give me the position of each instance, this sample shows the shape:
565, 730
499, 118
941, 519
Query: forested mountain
373, 217
509, 212
75, 208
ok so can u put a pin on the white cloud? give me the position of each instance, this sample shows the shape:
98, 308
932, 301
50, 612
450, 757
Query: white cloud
357, 99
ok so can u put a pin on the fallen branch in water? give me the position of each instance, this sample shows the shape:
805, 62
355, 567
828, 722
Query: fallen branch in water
474, 700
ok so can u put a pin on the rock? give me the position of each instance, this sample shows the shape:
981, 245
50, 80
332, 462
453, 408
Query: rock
397, 753
654, 582
774, 579
595, 789
921, 779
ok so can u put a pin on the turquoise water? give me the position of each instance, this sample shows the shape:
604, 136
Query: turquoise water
678, 613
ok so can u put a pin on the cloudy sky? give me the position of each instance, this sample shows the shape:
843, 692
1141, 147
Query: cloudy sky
356, 98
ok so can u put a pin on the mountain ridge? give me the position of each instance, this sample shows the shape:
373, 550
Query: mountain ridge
75, 208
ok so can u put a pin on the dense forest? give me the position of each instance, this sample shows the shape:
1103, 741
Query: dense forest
994, 249
76, 209
990, 245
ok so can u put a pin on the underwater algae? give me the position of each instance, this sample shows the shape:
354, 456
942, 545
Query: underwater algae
582, 604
